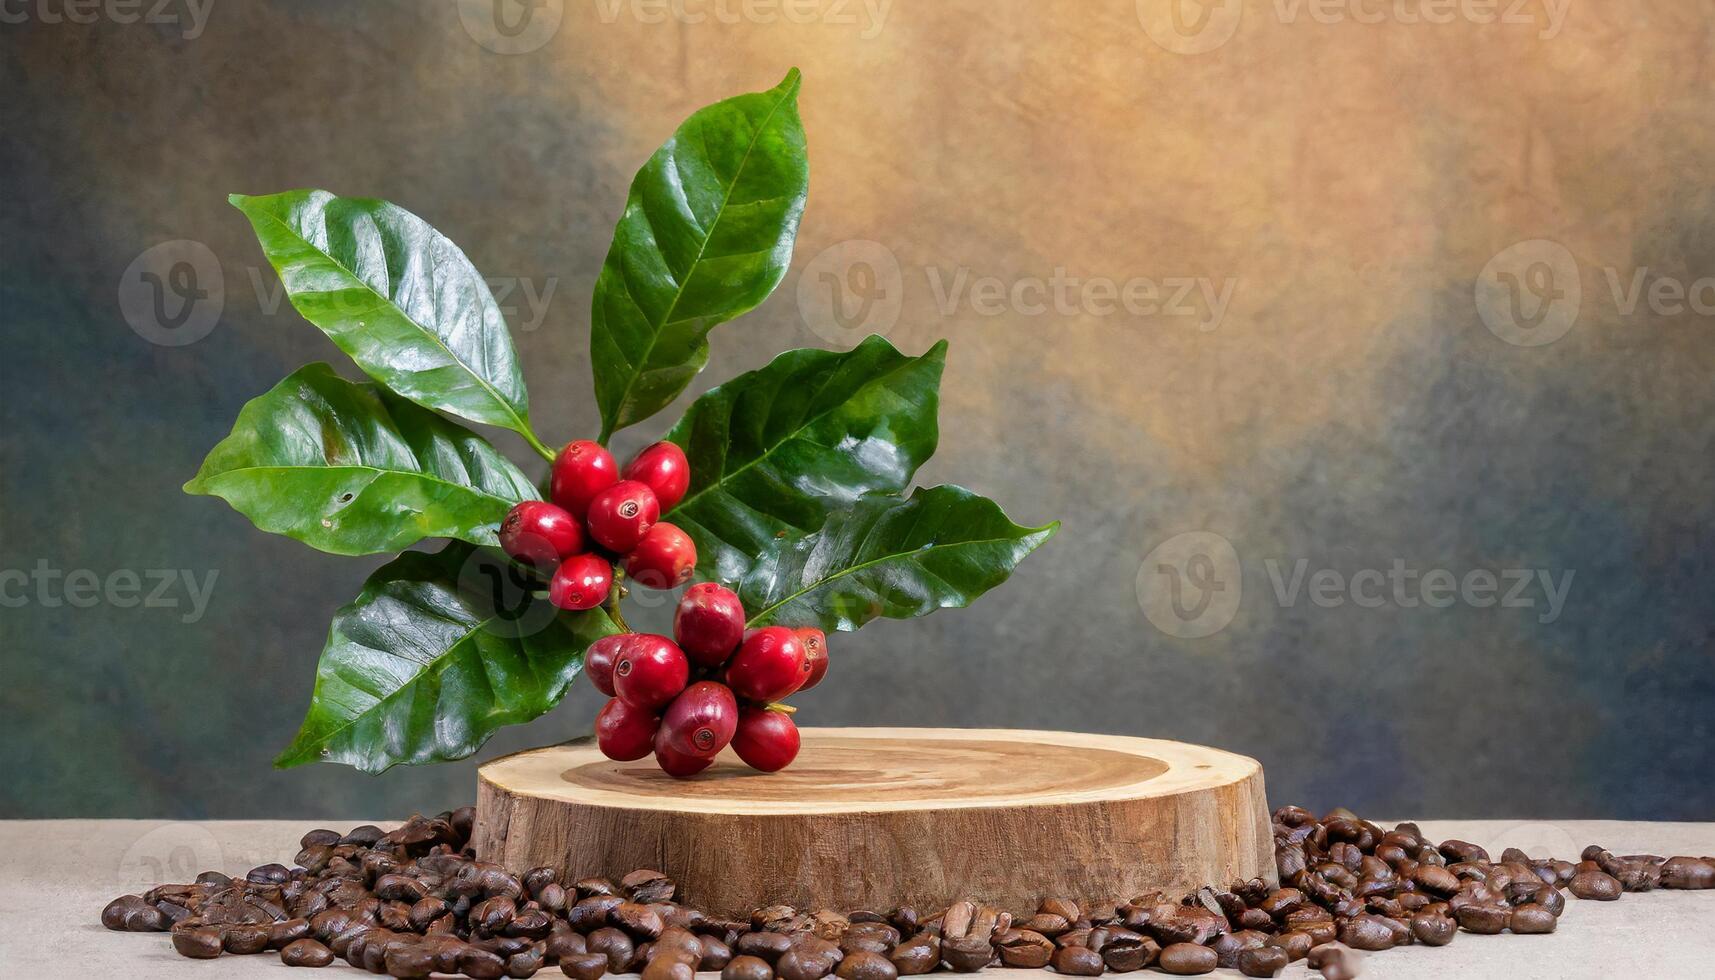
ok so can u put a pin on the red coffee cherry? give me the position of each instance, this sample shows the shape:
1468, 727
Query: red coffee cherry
581, 582
664, 559
650, 671
664, 468
625, 732
540, 534
678, 764
765, 740
769, 665
583, 469
599, 658
700, 721
620, 515
709, 623
816, 652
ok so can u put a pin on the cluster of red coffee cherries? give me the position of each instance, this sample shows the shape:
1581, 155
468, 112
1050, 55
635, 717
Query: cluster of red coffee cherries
600, 516
716, 686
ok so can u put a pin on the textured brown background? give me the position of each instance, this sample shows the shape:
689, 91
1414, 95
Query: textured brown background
1349, 181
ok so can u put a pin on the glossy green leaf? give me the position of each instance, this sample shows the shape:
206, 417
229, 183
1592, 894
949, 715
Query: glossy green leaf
778, 449
889, 556
437, 653
353, 469
397, 296
706, 235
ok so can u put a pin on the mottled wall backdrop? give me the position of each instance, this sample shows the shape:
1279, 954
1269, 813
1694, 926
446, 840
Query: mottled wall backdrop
1365, 350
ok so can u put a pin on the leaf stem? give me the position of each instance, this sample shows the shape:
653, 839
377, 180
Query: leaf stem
614, 595
536, 444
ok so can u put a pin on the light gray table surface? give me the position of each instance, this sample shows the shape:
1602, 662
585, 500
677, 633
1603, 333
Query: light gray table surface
55, 876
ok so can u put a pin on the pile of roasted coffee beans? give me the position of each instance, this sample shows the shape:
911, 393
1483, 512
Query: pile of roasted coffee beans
413, 901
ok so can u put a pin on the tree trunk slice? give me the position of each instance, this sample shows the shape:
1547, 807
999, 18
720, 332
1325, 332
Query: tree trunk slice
874, 818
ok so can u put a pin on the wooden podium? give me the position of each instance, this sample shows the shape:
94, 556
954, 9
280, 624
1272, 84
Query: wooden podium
872, 818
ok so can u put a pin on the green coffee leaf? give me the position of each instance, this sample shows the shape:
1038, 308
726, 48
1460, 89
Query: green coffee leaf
353, 469
397, 296
436, 654
778, 449
706, 235
889, 556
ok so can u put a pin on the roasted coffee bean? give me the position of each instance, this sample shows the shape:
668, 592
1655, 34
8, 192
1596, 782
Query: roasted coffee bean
803, 962
319, 838
1125, 950
592, 966
1335, 962
407, 960
305, 952
615, 945
966, 954
1596, 886
670, 965
638, 920
565, 943
917, 955
1687, 872
1077, 961
1530, 920
244, 939
715, 954
1024, 948
1433, 929
287, 931
1046, 923
866, 966
646, 886
1366, 932
1295, 943
526, 963
763, 945
746, 968
1187, 959
1228, 945
1485, 920
197, 942
552, 897
530, 923
481, 964
1262, 961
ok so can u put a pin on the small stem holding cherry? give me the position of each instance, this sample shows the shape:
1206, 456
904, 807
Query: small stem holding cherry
614, 595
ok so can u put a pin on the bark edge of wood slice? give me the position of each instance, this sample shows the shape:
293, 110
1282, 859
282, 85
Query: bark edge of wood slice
873, 818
